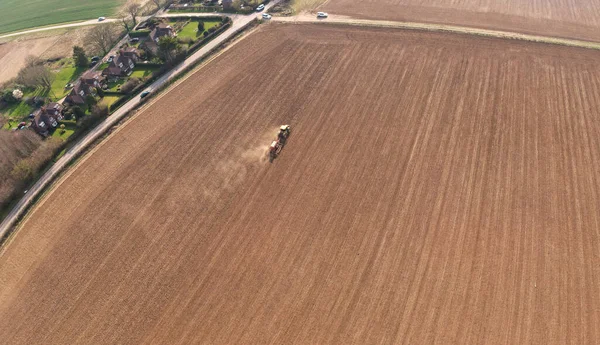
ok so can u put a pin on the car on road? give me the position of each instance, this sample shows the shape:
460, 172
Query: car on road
266, 16
100, 19
322, 15
95, 58
93, 63
144, 94
260, 8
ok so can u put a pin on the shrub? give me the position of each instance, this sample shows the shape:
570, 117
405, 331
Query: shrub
17, 94
100, 110
139, 33
8, 96
185, 40
78, 112
130, 85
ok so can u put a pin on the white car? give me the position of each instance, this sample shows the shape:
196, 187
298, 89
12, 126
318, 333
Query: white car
100, 19
266, 16
322, 15
260, 8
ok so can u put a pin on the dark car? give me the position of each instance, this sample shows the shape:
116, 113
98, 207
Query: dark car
144, 94
134, 40
95, 58
93, 63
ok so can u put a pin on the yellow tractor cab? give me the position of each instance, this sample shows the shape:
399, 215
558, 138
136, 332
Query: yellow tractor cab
285, 129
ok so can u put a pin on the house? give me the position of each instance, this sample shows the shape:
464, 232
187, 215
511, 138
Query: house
120, 67
79, 92
161, 30
46, 118
92, 79
130, 52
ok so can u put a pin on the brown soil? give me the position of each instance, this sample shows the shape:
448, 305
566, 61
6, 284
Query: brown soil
436, 188
557, 18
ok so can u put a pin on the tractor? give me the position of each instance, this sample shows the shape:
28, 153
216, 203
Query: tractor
277, 145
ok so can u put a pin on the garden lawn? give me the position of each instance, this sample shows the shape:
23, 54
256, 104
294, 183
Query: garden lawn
114, 85
110, 99
17, 111
190, 29
66, 75
18, 15
142, 71
69, 130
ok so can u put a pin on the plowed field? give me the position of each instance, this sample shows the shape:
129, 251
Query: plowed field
436, 189
557, 18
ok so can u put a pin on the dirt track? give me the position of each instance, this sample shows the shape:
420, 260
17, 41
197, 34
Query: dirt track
558, 18
436, 189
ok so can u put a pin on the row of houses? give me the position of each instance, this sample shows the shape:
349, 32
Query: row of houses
45, 119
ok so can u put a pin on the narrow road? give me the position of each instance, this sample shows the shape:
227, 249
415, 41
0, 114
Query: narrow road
309, 18
11, 218
61, 26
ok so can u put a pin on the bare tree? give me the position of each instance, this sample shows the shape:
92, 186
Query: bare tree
158, 3
127, 24
32, 60
101, 38
133, 9
34, 76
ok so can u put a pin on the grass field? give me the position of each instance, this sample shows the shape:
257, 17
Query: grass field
560, 18
17, 15
436, 189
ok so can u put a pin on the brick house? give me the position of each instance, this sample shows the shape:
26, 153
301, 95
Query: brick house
161, 30
120, 67
46, 118
130, 52
92, 79
79, 92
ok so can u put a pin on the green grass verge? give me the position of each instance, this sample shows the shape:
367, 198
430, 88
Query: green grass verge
18, 15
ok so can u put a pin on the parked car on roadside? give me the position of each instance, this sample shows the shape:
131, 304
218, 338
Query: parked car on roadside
322, 15
266, 16
100, 19
260, 7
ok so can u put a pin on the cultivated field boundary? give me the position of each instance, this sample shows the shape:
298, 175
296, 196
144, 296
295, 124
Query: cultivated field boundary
348, 21
82, 151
